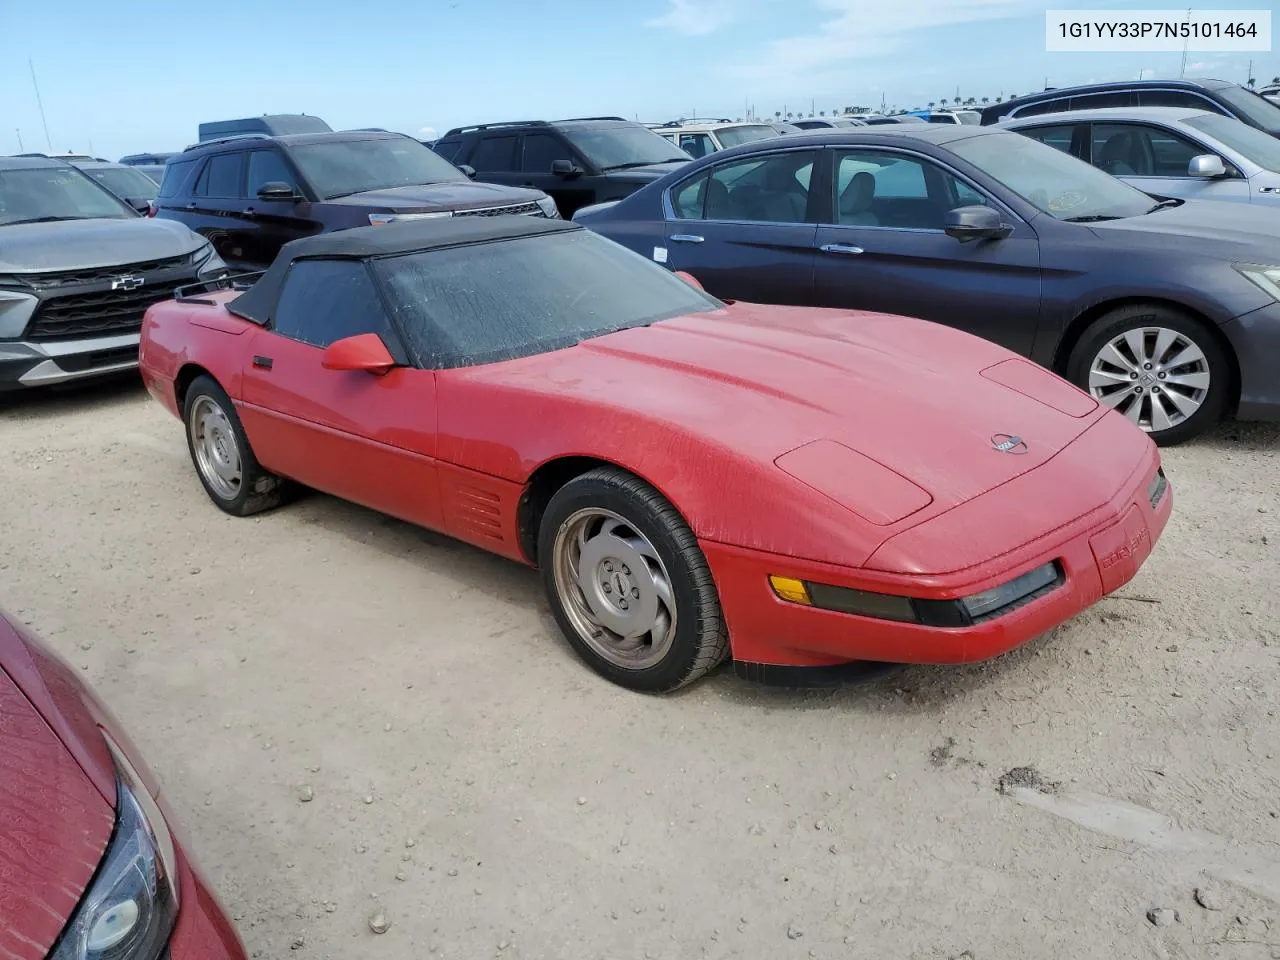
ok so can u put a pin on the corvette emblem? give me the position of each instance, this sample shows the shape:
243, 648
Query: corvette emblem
1008, 443
127, 283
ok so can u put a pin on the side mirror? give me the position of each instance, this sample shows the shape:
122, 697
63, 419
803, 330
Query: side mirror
142, 206
1208, 165
469, 170
690, 279
565, 168
975, 223
276, 190
365, 351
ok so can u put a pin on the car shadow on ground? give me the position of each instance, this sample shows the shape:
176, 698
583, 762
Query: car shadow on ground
42, 403
1233, 435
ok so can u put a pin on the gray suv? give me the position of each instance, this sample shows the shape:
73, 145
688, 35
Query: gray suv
78, 269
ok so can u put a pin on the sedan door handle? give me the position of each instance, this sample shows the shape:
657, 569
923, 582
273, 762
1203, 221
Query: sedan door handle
848, 249
263, 363
248, 210
686, 238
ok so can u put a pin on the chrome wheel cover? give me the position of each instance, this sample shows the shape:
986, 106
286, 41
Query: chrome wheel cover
1155, 376
614, 588
213, 441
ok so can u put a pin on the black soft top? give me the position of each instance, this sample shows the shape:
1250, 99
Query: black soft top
389, 240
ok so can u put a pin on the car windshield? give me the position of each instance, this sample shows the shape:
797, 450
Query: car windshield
623, 145
1250, 142
470, 305
969, 116
733, 136
1258, 110
38, 194
127, 183
1050, 180
339, 168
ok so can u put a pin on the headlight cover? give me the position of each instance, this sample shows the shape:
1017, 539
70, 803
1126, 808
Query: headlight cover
131, 905
1267, 278
209, 266
16, 308
549, 209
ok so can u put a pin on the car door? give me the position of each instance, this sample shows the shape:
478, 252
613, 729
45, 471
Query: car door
271, 223
881, 247
539, 151
696, 144
496, 158
1070, 138
1155, 159
217, 200
745, 228
369, 439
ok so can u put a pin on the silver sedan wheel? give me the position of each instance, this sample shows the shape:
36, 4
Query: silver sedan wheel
1155, 376
614, 588
213, 441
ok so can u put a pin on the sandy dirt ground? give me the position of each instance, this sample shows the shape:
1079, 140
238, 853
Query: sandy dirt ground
473, 782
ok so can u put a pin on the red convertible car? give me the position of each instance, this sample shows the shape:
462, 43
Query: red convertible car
800, 488
90, 868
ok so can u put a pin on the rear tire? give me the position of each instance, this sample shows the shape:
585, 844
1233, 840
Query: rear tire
1160, 367
628, 584
220, 452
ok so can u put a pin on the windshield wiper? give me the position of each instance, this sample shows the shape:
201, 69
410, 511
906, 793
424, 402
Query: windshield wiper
1091, 218
1165, 203
633, 163
13, 223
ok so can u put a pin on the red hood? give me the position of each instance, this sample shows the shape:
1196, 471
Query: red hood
54, 824
919, 398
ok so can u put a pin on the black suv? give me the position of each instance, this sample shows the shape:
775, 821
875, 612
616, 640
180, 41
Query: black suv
578, 162
1216, 96
251, 194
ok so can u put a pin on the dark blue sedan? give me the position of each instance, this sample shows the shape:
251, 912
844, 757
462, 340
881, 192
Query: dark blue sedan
1168, 310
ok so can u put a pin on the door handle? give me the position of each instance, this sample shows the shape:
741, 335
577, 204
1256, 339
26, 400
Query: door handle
686, 238
262, 363
848, 249
249, 210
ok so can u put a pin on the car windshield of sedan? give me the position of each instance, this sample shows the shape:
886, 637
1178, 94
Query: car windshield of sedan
339, 168
1250, 142
47, 194
618, 147
733, 136
475, 304
128, 183
1052, 181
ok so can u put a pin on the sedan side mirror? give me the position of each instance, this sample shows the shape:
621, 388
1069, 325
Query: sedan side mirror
276, 190
1208, 165
468, 169
142, 206
565, 168
365, 351
975, 223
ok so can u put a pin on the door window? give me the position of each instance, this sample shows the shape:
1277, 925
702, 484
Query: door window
1096, 101
1057, 136
696, 144
1175, 98
1045, 106
774, 189
541, 150
1137, 150
268, 166
875, 189
495, 154
327, 300
222, 176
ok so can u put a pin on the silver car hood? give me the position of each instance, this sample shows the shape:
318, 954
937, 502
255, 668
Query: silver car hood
80, 244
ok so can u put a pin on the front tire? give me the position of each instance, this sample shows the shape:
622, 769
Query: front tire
628, 584
220, 452
1158, 366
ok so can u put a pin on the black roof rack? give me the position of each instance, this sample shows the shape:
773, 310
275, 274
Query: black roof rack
228, 139
576, 119
519, 123
688, 120
189, 292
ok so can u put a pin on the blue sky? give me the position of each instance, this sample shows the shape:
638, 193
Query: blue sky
120, 80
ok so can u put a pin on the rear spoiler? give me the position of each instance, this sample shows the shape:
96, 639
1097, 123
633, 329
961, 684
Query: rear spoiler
190, 292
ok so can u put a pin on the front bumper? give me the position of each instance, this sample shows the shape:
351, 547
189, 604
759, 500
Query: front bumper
1098, 553
1255, 338
202, 930
46, 363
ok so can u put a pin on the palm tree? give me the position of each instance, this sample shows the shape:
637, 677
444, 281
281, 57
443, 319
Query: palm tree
1251, 81
790, 114
943, 101
986, 99
1000, 98
777, 114
822, 113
